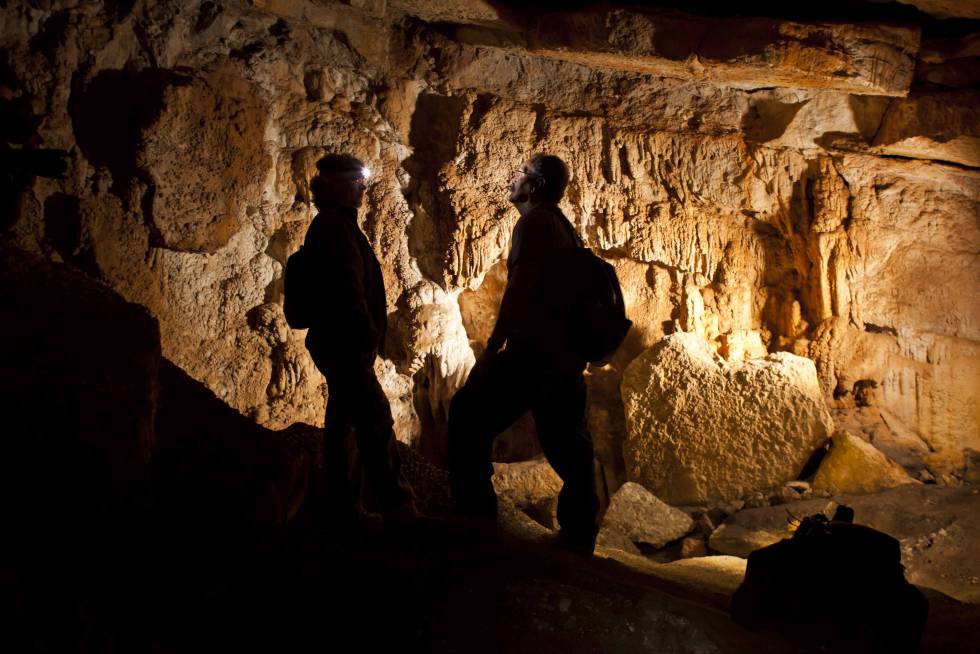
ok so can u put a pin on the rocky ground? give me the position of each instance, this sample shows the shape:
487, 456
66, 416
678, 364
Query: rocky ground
179, 525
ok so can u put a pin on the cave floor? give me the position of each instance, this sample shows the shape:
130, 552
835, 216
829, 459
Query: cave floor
172, 586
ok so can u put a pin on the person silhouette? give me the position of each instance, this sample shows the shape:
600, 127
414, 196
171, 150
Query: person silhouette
346, 336
528, 364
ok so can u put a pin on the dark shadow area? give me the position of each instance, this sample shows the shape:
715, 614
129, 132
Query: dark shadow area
108, 116
831, 10
767, 119
21, 160
836, 584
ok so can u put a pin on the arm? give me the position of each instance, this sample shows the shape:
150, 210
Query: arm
517, 303
532, 241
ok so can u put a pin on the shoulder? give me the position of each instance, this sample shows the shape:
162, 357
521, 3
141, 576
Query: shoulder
328, 225
543, 216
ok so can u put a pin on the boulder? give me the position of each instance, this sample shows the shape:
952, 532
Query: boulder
938, 529
526, 484
855, 466
215, 467
638, 515
611, 540
702, 429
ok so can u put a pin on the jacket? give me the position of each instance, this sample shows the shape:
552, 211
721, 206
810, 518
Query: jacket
354, 316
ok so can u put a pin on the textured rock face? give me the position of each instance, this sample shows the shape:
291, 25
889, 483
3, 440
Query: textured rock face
206, 160
701, 429
749, 52
526, 484
944, 126
759, 197
635, 515
854, 466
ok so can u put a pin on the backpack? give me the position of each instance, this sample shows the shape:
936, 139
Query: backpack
835, 584
589, 301
298, 302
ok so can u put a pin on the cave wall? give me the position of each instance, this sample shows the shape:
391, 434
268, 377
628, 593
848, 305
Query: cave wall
811, 187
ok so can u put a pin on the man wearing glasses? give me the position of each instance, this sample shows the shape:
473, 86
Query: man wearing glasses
346, 337
528, 365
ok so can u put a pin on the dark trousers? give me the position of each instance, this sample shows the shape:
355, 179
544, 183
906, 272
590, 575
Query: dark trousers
514, 382
357, 404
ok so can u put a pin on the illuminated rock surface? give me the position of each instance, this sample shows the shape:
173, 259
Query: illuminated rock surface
703, 429
855, 466
637, 515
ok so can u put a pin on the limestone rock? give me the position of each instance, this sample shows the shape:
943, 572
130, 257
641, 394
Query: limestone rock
527, 483
937, 528
693, 546
886, 432
949, 63
222, 463
736, 540
749, 52
206, 159
947, 8
940, 126
718, 574
855, 466
611, 539
637, 514
812, 119
701, 429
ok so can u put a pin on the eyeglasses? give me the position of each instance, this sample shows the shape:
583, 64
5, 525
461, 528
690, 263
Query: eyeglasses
529, 173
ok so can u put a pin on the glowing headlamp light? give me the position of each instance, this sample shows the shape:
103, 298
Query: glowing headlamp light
366, 173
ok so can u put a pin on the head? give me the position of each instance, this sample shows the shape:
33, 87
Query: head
340, 180
541, 180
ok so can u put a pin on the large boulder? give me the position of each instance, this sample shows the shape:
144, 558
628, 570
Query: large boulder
702, 429
635, 515
531, 486
937, 527
855, 466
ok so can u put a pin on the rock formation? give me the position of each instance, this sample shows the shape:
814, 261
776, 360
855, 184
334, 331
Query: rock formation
635, 515
787, 184
855, 466
701, 429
